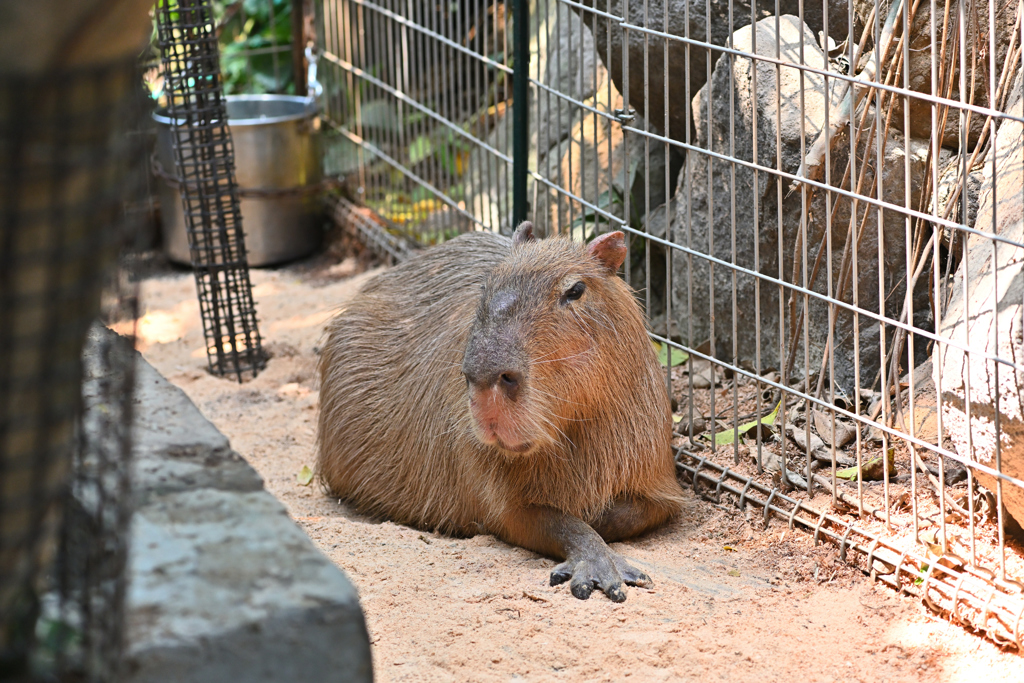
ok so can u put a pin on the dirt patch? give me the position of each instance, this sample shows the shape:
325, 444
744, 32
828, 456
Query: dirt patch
731, 601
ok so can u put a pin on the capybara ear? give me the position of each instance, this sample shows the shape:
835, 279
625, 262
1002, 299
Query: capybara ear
609, 249
524, 233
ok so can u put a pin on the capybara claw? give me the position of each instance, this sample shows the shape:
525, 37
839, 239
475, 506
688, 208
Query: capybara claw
561, 574
586, 575
616, 594
631, 575
641, 580
581, 590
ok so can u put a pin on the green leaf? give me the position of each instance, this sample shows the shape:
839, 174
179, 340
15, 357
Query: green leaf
872, 470
730, 435
420, 149
56, 635
305, 476
678, 357
849, 473
379, 115
446, 156
414, 118
770, 419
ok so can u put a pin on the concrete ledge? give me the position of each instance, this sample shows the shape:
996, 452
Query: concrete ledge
223, 586
175, 447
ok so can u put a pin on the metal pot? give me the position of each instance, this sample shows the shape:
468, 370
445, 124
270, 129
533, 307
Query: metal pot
278, 169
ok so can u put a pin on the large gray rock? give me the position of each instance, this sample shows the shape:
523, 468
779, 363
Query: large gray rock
648, 267
223, 586
988, 318
583, 153
688, 66
977, 32
580, 153
713, 203
964, 208
572, 69
882, 270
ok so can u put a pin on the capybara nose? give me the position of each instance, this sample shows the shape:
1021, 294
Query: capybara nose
481, 381
509, 382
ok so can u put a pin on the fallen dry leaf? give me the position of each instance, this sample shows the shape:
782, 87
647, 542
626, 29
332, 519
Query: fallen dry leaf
844, 433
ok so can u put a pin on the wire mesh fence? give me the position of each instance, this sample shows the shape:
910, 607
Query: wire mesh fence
825, 210
420, 98
69, 172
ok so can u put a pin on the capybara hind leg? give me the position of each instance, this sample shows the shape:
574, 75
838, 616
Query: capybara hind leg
628, 517
589, 562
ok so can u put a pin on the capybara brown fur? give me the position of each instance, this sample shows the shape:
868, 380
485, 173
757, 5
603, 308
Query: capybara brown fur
503, 386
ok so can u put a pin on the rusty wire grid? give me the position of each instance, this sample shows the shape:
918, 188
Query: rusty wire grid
205, 171
364, 226
73, 182
824, 205
950, 586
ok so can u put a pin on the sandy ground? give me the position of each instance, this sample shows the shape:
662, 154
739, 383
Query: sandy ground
730, 602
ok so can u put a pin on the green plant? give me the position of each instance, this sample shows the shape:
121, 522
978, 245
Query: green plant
254, 37
255, 46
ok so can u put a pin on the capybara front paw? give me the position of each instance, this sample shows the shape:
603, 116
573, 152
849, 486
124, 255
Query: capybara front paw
606, 571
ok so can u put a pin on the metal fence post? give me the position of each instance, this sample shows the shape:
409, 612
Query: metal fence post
299, 47
520, 109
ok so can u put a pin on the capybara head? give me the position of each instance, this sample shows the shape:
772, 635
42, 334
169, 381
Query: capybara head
543, 339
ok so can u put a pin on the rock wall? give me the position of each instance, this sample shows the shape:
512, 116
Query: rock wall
976, 52
716, 199
982, 400
578, 151
223, 585
688, 65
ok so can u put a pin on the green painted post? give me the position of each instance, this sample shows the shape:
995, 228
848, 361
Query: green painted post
520, 109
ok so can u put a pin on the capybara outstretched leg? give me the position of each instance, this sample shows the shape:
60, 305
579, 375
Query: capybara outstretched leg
589, 562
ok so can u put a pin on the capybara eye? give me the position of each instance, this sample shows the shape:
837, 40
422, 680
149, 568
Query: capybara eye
576, 291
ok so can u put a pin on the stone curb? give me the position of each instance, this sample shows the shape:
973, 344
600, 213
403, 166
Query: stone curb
223, 585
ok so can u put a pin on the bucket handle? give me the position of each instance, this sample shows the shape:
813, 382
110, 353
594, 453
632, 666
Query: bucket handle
314, 88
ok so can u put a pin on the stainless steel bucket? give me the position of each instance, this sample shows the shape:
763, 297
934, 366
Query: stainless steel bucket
278, 169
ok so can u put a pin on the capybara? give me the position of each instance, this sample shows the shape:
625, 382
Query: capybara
503, 386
